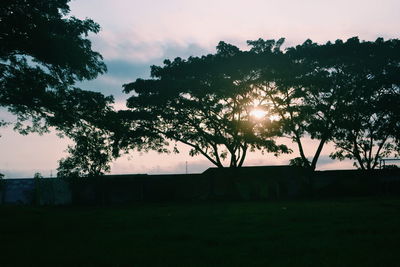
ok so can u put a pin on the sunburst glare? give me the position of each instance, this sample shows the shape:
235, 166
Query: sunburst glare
258, 113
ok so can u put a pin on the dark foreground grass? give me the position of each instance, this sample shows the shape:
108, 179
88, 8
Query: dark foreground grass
346, 232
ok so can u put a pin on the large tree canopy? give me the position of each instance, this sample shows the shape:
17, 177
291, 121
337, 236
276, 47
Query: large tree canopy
304, 95
345, 92
206, 103
367, 75
43, 52
282, 92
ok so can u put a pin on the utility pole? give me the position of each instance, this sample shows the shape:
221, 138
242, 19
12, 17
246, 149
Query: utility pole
186, 167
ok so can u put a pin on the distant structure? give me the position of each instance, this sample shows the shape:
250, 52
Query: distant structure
382, 163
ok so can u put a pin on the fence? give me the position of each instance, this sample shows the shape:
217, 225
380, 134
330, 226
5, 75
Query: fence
246, 183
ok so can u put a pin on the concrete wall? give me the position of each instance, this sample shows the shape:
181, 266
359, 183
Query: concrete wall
247, 183
18, 191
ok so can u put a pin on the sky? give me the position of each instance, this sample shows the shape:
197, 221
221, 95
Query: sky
137, 34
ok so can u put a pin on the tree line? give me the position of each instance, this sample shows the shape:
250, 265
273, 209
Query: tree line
221, 105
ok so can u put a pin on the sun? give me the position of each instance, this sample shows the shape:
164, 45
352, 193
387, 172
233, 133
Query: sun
258, 113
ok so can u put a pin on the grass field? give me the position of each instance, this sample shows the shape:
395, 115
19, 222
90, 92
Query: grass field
345, 232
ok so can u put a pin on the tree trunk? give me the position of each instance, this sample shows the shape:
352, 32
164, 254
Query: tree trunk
317, 153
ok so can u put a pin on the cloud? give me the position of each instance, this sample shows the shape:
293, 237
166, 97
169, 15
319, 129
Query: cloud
119, 72
123, 68
144, 30
138, 47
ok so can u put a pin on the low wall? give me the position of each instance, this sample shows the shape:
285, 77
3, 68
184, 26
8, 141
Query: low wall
356, 183
246, 183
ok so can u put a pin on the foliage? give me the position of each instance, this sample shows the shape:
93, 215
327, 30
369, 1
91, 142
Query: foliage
93, 135
100, 136
346, 92
2, 124
299, 162
37, 175
325, 91
43, 52
130, 134
304, 95
89, 156
283, 92
205, 103
367, 74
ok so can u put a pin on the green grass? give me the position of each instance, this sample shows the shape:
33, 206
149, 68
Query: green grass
346, 232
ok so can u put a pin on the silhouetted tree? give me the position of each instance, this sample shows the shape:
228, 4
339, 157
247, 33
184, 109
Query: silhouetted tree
295, 92
340, 90
129, 133
205, 103
299, 162
346, 92
310, 88
94, 146
101, 138
90, 155
368, 125
3, 123
43, 52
